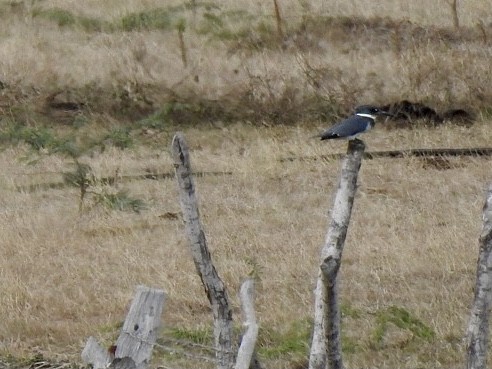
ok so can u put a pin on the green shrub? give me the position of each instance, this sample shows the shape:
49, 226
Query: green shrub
120, 201
60, 16
294, 341
201, 336
401, 318
65, 18
158, 18
120, 137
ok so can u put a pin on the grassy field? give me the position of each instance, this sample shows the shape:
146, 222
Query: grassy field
228, 61
412, 245
97, 89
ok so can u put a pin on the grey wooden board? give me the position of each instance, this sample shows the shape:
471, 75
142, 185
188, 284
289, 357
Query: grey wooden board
95, 354
138, 335
141, 326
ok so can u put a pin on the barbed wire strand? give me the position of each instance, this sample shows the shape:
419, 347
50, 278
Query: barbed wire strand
164, 367
194, 344
177, 350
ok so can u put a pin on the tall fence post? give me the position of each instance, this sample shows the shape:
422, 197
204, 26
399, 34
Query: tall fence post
478, 327
214, 287
326, 344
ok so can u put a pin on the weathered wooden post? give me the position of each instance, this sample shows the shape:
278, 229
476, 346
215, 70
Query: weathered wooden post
478, 327
326, 345
247, 349
133, 349
214, 287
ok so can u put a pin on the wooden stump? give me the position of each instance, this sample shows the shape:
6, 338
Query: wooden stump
133, 349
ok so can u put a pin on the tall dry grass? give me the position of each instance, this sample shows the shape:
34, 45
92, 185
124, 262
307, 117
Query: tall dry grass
66, 275
412, 243
361, 52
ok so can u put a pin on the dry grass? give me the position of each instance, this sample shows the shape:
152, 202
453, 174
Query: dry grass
65, 275
412, 243
235, 61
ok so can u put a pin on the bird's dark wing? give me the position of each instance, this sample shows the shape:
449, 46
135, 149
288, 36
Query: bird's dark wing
347, 128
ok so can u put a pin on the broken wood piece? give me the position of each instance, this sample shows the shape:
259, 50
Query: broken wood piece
247, 348
133, 349
95, 354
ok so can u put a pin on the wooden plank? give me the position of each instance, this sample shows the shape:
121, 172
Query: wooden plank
140, 329
133, 349
95, 354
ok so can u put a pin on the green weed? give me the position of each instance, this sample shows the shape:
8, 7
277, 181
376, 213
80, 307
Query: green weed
120, 200
349, 311
82, 177
201, 336
159, 18
66, 146
224, 26
120, 137
349, 345
294, 342
65, 18
157, 120
94, 25
60, 16
36, 137
402, 319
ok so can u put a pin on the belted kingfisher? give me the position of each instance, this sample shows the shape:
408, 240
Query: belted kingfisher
362, 121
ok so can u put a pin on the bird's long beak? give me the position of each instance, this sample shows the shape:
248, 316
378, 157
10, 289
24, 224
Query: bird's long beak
385, 113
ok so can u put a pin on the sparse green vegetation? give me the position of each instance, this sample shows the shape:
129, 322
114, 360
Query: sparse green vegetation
38, 139
82, 177
157, 120
120, 200
292, 342
88, 90
402, 319
65, 18
120, 137
160, 19
62, 17
201, 336
349, 311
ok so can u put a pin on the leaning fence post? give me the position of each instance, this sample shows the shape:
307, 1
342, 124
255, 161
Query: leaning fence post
214, 287
326, 344
478, 327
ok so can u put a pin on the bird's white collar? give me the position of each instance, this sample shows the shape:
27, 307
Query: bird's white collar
367, 115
